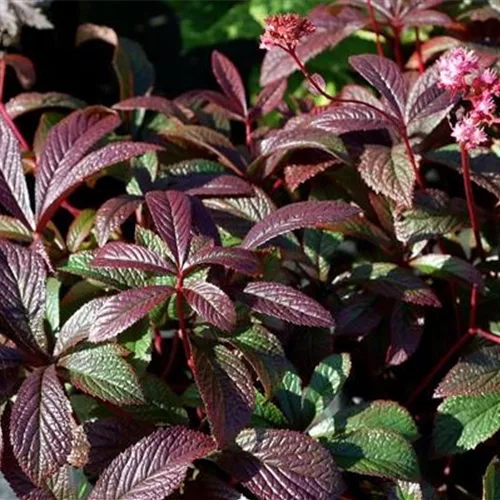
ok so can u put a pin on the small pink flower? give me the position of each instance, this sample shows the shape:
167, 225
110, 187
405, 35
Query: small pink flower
285, 31
468, 133
455, 68
483, 108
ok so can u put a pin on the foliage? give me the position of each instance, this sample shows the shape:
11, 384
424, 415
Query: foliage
253, 311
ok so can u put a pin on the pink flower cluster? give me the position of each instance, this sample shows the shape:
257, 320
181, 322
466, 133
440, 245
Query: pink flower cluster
285, 31
459, 71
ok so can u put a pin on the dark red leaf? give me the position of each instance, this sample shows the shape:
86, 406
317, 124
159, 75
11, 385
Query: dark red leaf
40, 428
229, 80
25, 71
388, 171
151, 103
124, 309
67, 177
427, 18
171, 212
77, 327
300, 215
226, 389
113, 213
268, 98
211, 303
33, 101
286, 303
228, 107
279, 464
154, 467
386, 77
358, 316
13, 191
407, 327
108, 437
127, 255
213, 185
238, 259
296, 174
10, 357
67, 143
23, 276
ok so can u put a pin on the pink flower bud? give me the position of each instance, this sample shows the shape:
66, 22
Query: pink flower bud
285, 31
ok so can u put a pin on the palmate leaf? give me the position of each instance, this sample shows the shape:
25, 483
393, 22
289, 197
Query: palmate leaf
124, 309
286, 303
40, 425
230, 81
283, 464
171, 212
211, 303
129, 256
113, 213
226, 389
264, 353
386, 77
300, 215
154, 467
388, 171
13, 190
101, 372
22, 308
462, 422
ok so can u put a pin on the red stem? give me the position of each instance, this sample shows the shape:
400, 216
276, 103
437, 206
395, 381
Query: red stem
248, 133
398, 53
454, 349
5, 115
421, 65
487, 335
70, 208
373, 19
471, 205
182, 324
402, 131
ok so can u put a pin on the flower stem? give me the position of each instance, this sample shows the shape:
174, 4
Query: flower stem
248, 133
171, 356
397, 126
376, 29
471, 205
398, 53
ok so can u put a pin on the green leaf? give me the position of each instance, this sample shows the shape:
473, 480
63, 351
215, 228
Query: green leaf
289, 396
389, 171
375, 452
390, 280
144, 172
119, 279
462, 422
326, 381
448, 267
265, 354
476, 374
101, 372
384, 415
153, 242
52, 311
405, 490
162, 404
13, 229
138, 340
320, 246
491, 481
266, 414
80, 229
